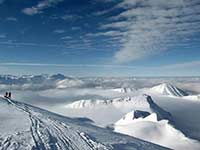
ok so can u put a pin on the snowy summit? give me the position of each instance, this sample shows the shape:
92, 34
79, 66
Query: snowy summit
168, 89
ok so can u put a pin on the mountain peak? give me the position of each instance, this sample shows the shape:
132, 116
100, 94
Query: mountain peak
168, 89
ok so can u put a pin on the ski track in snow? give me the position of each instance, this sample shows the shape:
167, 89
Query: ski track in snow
50, 134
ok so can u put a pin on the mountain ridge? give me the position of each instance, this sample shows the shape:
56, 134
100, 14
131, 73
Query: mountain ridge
168, 89
46, 130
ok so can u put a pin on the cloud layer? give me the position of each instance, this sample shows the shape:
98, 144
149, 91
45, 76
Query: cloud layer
147, 27
177, 66
40, 6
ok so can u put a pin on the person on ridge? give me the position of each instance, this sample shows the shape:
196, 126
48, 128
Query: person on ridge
9, 95
6, 95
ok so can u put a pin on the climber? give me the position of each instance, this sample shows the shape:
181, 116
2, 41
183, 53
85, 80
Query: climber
9, 95
6, 95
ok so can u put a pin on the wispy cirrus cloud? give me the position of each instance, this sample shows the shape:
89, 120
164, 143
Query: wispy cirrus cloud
63, 65
11, 19
175, 66
71, 17
11, 43
2, 36
59, 31
66, 17
66, 38
183, 65
70, 46
148, 27
40, 7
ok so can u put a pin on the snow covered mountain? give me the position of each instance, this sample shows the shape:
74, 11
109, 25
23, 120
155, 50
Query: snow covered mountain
26, 127
38, 82
141, 102
154, 126
69, 82
145, 120
148, 126
124, 90
168, 89
113, 109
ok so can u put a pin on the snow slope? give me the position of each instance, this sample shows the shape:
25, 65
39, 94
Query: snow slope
192, 97
26, 127
146, 120
149, 128
137, 101
168, 89
124, 90
106, 112
69, 82
141, 102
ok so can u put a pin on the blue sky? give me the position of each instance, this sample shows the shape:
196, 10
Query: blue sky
100, 37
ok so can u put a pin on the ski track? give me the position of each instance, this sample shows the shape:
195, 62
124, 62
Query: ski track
51, 135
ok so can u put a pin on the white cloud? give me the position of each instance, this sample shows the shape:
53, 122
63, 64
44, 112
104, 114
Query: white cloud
76, 28
183, 65
71, 17
11, 19
63, 65
66, 38
66, 17
111, 33
59, 31
148, 27
11, 43
2, 36
179, 69
40, 7
30, 11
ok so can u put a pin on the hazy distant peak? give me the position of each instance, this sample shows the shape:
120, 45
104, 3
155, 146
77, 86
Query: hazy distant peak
168, 89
